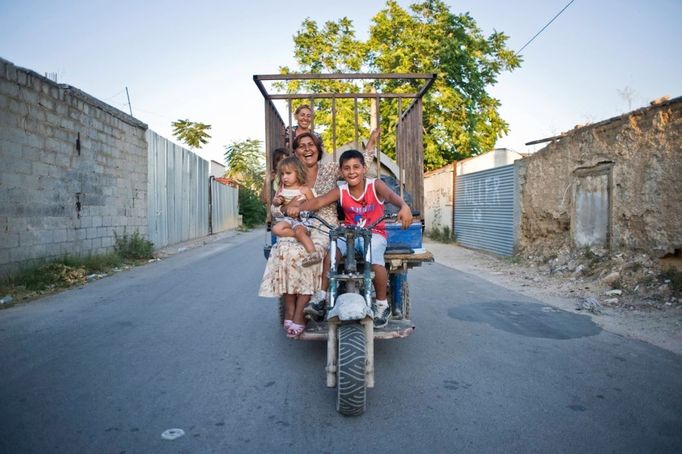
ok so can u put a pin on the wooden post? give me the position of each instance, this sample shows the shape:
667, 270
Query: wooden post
334, 128
400, 159
290, 130
268, 158
355, 112
454, 194
378, 117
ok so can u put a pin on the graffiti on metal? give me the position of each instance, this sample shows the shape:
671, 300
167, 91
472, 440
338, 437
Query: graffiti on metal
484, 210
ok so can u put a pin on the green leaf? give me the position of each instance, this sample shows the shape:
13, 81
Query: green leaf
192, 133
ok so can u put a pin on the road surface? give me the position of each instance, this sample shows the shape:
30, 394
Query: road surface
185, 343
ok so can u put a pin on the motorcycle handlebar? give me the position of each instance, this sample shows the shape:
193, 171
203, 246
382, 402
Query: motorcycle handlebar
310, 214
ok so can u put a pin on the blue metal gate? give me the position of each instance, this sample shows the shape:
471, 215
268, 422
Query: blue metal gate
485, 210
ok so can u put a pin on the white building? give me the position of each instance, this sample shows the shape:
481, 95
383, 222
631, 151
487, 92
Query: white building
439, 184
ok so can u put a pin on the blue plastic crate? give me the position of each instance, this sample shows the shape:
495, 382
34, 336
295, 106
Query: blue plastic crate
408, 238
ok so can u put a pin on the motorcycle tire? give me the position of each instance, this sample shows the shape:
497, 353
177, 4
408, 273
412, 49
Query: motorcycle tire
351, 386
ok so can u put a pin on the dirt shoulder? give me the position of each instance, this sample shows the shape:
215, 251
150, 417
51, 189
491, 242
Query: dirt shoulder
660, 325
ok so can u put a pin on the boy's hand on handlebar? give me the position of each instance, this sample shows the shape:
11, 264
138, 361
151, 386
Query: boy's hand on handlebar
405, 216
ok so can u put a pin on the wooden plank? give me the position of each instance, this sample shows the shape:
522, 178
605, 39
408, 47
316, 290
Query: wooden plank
378, 148
333, 128
341, 95
395, 329
357, 133
426, 256
342, 76
291, 131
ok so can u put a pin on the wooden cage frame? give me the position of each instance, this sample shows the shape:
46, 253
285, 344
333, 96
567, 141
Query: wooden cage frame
409, 129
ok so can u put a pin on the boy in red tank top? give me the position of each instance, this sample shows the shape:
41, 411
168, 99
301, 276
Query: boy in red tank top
362, 200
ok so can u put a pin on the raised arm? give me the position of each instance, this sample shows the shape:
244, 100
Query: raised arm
313, 204
387, 194
371, 148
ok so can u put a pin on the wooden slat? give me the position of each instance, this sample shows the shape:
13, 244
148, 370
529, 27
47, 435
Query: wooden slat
357, 133
333, 128
343, 76
378, 148
341, 95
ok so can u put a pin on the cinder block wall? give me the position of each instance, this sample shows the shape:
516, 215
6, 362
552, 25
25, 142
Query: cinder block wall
73, 171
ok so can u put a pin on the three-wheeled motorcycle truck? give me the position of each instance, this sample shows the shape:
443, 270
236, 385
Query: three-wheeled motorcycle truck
348, 326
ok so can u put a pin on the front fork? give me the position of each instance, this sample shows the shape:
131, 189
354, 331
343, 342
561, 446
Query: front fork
332, 360
367, 322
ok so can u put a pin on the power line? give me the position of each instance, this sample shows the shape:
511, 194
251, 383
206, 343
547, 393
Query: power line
109, 98
543, 28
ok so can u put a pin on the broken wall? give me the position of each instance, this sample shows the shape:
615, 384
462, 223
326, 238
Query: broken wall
626, 169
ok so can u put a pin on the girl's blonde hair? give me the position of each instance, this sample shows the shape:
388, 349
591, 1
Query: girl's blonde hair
295, 164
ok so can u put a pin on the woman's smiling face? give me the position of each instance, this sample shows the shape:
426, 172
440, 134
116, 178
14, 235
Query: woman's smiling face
307, 151
304, 117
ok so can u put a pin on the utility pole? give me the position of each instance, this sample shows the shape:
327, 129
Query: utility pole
129, 106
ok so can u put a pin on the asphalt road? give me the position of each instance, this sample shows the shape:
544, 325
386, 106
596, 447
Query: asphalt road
186, 343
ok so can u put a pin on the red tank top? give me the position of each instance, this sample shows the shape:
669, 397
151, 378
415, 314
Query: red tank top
367, 207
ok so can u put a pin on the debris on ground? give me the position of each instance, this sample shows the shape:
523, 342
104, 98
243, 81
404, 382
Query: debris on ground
590, 304
628, 280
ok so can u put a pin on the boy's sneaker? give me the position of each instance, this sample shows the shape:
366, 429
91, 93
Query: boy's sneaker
382, 313
315, 308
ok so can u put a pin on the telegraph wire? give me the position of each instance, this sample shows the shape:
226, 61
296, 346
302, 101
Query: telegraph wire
543, 28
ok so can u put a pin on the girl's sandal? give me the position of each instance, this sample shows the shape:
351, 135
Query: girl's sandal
295, 330
287, 325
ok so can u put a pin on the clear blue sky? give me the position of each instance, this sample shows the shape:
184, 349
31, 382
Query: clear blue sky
196, 59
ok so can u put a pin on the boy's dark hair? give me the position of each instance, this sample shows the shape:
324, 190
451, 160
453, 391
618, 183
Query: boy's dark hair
276, 153
351, 154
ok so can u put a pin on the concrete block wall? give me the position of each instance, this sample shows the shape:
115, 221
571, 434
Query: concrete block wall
74, 171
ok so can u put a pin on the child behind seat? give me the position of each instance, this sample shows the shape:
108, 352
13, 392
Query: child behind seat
362, 200
267, 193
292, 176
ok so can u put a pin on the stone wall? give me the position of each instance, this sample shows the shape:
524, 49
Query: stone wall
635, 165
74, 171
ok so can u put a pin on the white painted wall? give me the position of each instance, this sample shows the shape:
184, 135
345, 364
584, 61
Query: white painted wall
495, 158
438, 198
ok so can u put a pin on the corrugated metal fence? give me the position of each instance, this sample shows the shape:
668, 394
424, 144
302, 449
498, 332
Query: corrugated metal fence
178, 197
224, 207
485, 209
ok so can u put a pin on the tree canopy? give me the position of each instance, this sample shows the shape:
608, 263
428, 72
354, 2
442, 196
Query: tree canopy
193, 133
460, 117
245, 163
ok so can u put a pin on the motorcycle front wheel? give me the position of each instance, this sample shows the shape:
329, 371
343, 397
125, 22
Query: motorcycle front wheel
351, 387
